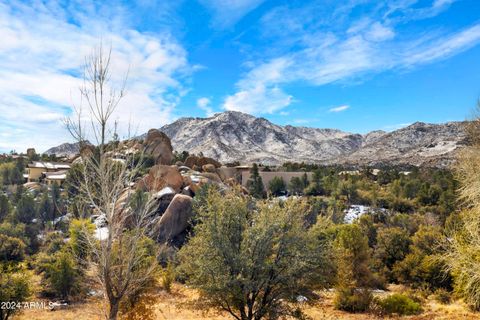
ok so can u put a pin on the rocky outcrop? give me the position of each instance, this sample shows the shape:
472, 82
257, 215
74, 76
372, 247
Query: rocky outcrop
160, 177
31, 152
158, 146
87, 150
175, 221
66, 149
199, 162
209, 168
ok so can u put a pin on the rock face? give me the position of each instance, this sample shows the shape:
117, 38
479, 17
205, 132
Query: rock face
160, 177
158, 145
234, 136
174, 222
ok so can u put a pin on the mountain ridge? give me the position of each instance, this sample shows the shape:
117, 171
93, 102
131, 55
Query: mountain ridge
235, 136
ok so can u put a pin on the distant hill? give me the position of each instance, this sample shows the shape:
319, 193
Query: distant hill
65, 149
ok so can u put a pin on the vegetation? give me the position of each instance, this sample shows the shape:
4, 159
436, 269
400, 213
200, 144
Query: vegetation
255, 183
251, 262
277, 186
14, 286
353, 259
253, 256
400, 239
463, 252
399, 304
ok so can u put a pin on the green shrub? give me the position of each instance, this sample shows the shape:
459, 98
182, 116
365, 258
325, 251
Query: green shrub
63, 275
80, 231
11, 249
353, 300
168, 276
399, 304
277, 186
14, 287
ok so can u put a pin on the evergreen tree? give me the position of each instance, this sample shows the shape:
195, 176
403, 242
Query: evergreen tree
277, 186
354, 277
26, 210
296, 185
56, 201
45, 208
4, 207
305, 180
250, 263
255, 183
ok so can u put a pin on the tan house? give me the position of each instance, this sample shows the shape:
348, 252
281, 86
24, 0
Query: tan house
49, 171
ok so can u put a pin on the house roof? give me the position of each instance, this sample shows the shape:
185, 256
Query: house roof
49, 165
59, 175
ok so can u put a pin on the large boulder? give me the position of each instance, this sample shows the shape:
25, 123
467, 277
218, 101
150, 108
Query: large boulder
87, 150
163, 199
211, 176
160, 177
175, 221
192, 161
159, 147
209, 168
31, 152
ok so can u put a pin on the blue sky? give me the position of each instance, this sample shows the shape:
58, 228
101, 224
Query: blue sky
357, 65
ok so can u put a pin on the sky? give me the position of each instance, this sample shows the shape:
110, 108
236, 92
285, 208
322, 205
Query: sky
354, 65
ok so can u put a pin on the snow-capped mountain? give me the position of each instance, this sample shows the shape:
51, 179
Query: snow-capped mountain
235, 136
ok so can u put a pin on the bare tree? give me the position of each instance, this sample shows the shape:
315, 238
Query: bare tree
123, 257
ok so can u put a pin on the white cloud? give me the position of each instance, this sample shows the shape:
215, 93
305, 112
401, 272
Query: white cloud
258, 92
41, 56
443, 47
204, 104
339, 108
335, 49
258, 100
379, 32
227, 13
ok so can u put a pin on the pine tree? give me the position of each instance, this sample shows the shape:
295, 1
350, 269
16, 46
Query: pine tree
255, 183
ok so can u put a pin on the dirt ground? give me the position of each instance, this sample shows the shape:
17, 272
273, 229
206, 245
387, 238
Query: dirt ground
177, 305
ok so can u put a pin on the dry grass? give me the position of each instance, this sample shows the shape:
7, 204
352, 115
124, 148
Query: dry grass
177, 305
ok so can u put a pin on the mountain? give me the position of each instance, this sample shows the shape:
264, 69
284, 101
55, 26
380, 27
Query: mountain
235, 136
418, 144
65, 150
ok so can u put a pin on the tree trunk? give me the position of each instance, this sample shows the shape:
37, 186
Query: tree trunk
112, 314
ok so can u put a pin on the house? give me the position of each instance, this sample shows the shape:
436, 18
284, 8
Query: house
55, 177
50, 172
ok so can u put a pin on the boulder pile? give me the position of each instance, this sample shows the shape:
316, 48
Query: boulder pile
172, 187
